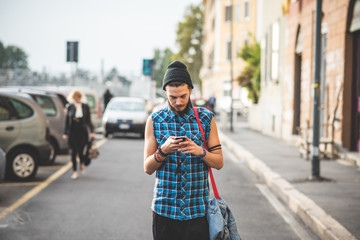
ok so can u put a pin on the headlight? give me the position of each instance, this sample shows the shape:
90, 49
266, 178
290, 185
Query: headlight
110, 119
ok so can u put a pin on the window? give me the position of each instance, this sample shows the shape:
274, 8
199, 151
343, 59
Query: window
275, 42
265, 48
237, 12
229, 50
4, 110
46, 104
23, 110
228, 13
91, 101
246, 10
226, 88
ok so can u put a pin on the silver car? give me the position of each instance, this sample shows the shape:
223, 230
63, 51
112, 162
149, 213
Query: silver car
54, 109
24, 135
90, 97
125, 114
2, 165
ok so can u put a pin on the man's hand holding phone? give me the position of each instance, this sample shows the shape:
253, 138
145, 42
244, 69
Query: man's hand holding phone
182, 138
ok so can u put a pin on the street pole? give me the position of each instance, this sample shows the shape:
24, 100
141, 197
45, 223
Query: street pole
315, 163
231, 66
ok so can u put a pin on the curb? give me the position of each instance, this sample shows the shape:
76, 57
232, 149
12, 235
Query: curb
321, 223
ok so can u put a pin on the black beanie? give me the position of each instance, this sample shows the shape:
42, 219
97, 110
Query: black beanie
177, 72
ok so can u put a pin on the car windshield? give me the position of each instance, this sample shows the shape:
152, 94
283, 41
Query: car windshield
127, 106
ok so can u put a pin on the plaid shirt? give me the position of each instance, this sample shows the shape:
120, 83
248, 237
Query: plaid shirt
182, 196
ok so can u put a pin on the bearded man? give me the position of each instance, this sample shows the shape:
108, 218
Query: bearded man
175, 149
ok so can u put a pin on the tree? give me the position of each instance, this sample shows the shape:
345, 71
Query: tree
250, 76
12, 57
114, 75
162, 58
2, 55
189, 38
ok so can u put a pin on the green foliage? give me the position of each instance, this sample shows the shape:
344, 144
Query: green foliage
250, 76
162, 58
189, 39
12, 57
114, 75
2, 55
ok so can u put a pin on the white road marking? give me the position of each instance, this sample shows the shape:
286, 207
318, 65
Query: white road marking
284, 213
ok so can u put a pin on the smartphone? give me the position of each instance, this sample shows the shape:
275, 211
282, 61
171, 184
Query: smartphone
180, 137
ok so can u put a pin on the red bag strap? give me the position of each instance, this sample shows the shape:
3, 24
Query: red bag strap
216, 194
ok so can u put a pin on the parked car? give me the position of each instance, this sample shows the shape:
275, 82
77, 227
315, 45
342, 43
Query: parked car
90, 97
24, 135
201, 102
55, 111
125, 114
2, 165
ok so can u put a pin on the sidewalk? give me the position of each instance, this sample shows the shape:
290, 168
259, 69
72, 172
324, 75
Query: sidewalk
330, 208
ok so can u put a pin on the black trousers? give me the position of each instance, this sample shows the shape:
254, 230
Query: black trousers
169, 229
77, 150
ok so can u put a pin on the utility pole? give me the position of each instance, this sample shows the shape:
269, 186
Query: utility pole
231, 66
315, 163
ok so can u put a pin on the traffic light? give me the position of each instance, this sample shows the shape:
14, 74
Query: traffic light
148, 67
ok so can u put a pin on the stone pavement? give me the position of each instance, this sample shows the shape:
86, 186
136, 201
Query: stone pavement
330, 208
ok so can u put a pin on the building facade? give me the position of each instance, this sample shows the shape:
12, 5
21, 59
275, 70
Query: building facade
285, 30
339, 70
228, 25
268, 114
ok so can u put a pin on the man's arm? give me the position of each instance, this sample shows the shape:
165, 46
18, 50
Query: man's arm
214, 159
150, 165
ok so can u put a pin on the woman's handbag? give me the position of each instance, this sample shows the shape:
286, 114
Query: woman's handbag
222, 225
90, 152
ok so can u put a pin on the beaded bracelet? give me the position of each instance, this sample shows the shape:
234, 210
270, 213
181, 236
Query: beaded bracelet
157, 159
161, 152
204, 154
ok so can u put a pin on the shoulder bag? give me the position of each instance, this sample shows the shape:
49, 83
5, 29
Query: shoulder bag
222, 225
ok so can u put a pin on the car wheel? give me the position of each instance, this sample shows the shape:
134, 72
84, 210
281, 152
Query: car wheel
22, 165
53, 151
106, 134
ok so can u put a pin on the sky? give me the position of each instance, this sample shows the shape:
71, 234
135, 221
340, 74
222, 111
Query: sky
120, 33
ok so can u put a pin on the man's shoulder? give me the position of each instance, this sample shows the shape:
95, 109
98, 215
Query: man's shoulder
205, 114
161, 114
204, 111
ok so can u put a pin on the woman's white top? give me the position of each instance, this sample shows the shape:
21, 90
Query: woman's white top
78, 112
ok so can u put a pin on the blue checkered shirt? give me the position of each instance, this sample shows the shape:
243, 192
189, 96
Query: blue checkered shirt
182, 196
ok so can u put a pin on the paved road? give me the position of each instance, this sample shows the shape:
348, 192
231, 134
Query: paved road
112, 201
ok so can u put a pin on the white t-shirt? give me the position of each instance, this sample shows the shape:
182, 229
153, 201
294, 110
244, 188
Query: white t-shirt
78, 112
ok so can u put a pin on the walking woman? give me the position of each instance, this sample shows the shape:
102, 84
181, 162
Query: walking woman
78, 126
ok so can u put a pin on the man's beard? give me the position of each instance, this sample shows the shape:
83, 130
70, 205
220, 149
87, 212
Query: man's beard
183, 112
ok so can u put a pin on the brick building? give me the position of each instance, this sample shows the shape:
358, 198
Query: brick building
339, 73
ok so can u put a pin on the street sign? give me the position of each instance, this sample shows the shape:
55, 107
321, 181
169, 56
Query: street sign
72, 51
